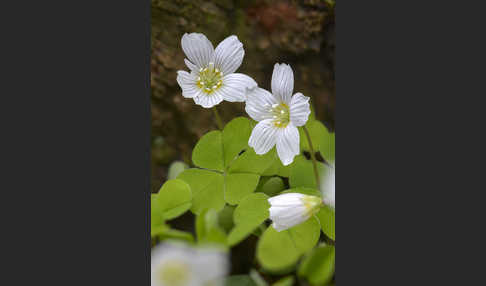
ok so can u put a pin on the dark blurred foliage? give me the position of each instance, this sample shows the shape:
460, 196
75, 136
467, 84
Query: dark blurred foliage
300, 33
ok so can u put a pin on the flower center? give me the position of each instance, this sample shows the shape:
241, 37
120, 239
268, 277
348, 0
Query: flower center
209, 79
174, 273
281, 115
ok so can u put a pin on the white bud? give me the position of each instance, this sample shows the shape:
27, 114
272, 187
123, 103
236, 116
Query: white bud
291, 209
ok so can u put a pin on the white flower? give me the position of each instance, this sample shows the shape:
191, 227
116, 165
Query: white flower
179, 265
212, 78
328, 187
278, 115
288, 210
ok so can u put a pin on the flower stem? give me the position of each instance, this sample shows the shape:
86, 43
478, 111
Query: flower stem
313, 156
218, 118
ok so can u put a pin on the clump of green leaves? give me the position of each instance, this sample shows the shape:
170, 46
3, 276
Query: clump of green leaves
228, 189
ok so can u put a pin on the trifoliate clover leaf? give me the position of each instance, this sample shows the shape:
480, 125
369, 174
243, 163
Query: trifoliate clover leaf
248, 215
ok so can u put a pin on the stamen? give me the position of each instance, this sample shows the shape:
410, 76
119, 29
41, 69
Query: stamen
210, 78
280, 114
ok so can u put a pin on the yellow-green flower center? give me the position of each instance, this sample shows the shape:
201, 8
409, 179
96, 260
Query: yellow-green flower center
281, 115
174, 273
312, 204
209, 79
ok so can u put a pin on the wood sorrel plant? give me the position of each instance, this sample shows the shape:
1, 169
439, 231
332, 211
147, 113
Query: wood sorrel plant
239, 178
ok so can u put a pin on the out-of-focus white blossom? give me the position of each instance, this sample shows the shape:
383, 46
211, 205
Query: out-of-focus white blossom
180, 265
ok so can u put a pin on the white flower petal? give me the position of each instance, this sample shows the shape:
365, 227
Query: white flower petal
211, 265
190, 65
229, 55
234, 87
284, 213
288, 144
282, 82
187, 82
259, 103
198, 49
278, 227
208, 100
263, 137
287, 199
299, 109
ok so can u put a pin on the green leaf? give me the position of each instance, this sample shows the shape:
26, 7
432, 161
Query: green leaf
225, 217
278, 251
169, 233
156, 214
207, 189
248, 215
208, 229
276, 168
272, 186
250, 162
173, 199
302, 173
286, 281
159, 229
327, 147
239, 280
318, 266
240, 185
317, 130
327, 219
322, 139
235, 138
208, 152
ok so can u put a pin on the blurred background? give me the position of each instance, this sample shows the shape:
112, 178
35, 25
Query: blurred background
300, 33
